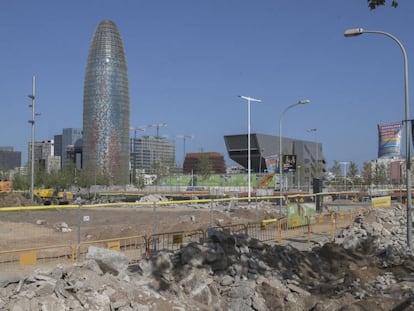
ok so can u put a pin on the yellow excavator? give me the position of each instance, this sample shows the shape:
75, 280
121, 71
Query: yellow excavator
265, 180
6, 186
53, 196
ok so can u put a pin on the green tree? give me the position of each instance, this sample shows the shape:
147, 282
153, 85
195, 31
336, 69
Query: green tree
380, 174
373, 4
367, 173
336, 168
204, 167
353, 170
21, 182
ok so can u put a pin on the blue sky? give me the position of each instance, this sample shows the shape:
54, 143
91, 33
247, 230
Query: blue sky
188, 60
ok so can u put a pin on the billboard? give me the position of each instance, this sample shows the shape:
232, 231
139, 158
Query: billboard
389, 139
272, 163
289, 163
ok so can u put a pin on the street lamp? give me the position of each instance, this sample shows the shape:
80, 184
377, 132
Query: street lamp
359, 31
345, 164
32, 122
185, 137
301, 102
249, 164
315, 130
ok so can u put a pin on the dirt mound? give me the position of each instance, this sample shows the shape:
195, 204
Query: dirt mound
15, 199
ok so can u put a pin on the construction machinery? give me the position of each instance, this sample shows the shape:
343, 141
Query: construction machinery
53, 196
265, 180
6, 186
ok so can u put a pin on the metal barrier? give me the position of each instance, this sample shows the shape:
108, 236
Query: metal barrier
19, 259
137, 247
232, 229
173, 240
134, 247
266, 230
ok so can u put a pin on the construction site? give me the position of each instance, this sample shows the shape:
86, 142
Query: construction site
204, 254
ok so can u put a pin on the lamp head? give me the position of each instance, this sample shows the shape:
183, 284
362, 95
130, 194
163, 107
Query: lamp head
353, 32
312, 130
304, 102
250, 99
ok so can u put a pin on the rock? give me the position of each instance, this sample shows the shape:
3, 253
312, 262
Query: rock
108, 260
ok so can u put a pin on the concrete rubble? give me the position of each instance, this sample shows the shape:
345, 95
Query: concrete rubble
366, 267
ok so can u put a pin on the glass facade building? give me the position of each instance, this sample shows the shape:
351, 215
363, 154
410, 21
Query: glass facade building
106, 106
71, 139
152, 155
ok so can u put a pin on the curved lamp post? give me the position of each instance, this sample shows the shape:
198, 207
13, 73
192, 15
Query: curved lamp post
359, 31
301, 102
249, 162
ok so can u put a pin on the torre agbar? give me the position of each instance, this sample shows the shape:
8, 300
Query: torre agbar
106, 107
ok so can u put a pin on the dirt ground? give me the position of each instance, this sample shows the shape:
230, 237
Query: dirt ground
36, 228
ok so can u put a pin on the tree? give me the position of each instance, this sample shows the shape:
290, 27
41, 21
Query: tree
21, 182
380, 175
353, 170
367, 173
336, 168
204, 166
373, 4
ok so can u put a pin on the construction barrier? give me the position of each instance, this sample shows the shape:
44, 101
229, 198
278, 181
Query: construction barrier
20, 259
16, 254
173, 240
134, 247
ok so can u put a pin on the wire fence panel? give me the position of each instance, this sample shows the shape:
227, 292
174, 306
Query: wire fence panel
62, 234
173, 240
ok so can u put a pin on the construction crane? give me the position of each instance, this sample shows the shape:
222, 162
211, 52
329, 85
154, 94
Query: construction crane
157, 126
135, 129
185, 137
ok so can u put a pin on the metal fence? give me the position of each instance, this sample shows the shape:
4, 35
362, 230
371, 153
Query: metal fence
58, 243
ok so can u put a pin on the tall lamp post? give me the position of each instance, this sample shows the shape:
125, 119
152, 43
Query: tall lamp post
32, 122
315, 130
301, 102
249, 164
344, 164
359, 31
184, 137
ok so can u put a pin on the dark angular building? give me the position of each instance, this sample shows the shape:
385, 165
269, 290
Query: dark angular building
106, 106
262, 146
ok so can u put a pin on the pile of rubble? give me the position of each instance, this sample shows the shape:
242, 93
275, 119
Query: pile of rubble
365, 268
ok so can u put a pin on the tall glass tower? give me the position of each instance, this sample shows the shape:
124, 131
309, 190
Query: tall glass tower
106, 106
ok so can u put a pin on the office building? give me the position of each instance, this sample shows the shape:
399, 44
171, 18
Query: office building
71, 145
9, 159
106, 106
152, 155
44, 156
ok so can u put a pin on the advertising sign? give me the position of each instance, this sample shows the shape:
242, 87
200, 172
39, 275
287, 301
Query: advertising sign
289, 163
389, 139
272, 163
